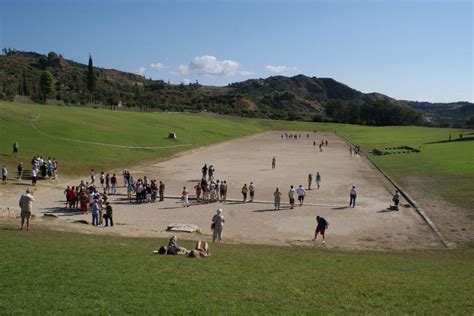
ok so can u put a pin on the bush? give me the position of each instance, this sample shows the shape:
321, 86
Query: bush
317, 118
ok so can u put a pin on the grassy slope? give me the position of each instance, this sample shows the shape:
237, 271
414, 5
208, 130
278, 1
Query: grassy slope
67, 273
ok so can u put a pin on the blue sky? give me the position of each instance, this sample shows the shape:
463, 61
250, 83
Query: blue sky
417, 50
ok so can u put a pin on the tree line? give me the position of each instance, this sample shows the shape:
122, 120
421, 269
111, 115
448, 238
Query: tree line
373, 112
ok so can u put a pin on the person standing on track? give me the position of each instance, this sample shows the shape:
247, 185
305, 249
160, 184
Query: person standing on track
318, 179
291, 196
92, 176
34, 175
353, 196
4, 174
26, 205
161, 191
252, 191
19, 168
273, 162
244, 192
301, 193
224, 187
277, 195
321, 226
310, 180
217, 225
185, 197
204, 171
113, 182
396, 199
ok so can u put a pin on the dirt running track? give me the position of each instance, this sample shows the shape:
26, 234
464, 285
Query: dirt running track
367, 226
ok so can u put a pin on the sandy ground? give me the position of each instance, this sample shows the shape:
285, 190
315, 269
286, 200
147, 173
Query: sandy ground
367, 226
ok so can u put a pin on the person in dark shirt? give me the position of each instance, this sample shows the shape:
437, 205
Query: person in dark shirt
161, 191
321, 227
396, 199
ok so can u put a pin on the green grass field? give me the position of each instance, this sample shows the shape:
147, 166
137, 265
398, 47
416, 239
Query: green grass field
62, 273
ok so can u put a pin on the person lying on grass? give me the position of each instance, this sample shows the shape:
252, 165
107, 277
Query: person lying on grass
172, 248
201, 250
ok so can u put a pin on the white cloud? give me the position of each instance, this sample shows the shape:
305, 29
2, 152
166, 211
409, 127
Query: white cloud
186, 81
278, 69
140, 71
209, 65
157, 66
245, 73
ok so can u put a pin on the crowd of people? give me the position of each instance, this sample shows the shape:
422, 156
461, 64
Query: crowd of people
40, 169
87, 198
208, 189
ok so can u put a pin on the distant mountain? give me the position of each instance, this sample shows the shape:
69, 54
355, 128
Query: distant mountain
292, 98
454, 114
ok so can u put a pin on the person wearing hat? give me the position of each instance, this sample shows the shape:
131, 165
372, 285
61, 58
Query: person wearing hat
217, 225
26, 205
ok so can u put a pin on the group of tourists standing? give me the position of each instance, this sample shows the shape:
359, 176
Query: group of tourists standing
40, 169
211, 191
86, 197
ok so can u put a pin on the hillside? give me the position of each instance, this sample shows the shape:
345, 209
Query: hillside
454, 114
290, 98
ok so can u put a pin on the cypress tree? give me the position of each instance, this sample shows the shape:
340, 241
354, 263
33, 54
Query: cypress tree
91, 79
25, 86
20, 90
46, 84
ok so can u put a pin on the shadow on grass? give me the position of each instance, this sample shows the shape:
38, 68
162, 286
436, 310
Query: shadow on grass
464, 139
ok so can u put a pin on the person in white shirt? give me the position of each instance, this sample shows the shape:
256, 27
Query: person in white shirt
34, 176
291, 196
185, 197
301, 193
4, 174
217, 225
252, 191
26, 206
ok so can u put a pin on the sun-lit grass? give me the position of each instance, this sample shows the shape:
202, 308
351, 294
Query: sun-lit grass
47, 272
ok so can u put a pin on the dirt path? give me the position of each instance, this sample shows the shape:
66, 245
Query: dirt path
367, 226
